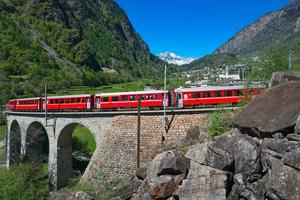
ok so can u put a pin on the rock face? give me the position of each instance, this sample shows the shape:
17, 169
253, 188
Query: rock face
275, 111
297, 127
283, 77
204, 183
272, 27
165, 173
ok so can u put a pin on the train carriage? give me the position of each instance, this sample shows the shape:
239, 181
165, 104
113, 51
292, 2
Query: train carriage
191, 97
28, 104
120, 100
70, 102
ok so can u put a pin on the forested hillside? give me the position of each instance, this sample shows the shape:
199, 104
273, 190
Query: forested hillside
68, 42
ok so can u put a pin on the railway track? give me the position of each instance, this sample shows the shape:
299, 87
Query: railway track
122, 112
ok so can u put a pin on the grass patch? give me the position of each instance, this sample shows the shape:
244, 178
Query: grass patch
83, 140
219, 123
124, 87
23, 182
2, 132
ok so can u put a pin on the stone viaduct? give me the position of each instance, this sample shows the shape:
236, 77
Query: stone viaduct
115, 134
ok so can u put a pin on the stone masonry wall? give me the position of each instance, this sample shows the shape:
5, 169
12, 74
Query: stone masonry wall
116, 152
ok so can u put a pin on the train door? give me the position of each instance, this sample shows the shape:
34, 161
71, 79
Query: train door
179, 100
88, 103
98, 103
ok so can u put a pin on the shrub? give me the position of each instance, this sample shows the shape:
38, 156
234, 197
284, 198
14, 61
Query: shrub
23, 182
219, 123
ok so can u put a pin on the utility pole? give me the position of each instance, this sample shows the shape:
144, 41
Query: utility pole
46, 109
138, 133
291, 59
165, 98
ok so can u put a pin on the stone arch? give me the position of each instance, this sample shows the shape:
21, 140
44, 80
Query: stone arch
64, 152
15, 142
37, 143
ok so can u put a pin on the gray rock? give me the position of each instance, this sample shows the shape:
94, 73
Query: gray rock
293, 137
164, 174
141, 173
204, 183
274, 111
292, 158
209, 154
283, 77
245, 151
133, 187
83, 196
277, 145
283, 181
297, 126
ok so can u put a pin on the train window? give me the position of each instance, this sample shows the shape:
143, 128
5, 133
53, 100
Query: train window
196, 95
237, 93
156, 96
72, 100
206, 94
51, 101
218, 94
78, 100
115, 98
132, 98
124, 98
61, 100
228, 93
142, 97
104, 99
150, 97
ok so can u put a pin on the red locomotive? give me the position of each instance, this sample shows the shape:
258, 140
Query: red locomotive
179, 98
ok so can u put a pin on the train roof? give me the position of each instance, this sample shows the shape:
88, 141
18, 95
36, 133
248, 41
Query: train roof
130, 93
25, 99
68, 96
216, 88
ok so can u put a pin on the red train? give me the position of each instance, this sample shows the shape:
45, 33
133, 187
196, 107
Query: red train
179, 98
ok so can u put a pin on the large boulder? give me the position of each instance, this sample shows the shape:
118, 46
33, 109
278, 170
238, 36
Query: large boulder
245, 152
210, 155
297, 127
165, 173
292, 158
204, 183
283, 181
283, 77
275, 111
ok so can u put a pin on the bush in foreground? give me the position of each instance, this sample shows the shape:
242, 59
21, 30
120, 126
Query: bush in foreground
23, 182
219, 123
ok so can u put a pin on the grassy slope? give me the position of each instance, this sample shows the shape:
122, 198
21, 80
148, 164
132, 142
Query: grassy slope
85, 137
132, 86
2, 132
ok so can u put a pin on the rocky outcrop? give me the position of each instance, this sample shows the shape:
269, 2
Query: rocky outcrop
238, 165
275, 111
273, 27
283, 77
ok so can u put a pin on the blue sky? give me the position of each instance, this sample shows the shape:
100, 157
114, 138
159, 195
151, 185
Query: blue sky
193, 28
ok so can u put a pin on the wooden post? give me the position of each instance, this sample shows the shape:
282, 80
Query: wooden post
138, 132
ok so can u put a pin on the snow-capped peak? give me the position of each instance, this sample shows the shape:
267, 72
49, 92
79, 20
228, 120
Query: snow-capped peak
172, 58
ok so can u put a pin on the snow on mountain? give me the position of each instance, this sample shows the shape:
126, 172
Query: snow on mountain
172, 58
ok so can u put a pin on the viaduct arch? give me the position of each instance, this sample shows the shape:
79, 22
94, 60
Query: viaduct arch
115, 134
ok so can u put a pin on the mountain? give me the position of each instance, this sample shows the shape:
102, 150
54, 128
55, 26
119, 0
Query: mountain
271, 36
69, 42
172, 58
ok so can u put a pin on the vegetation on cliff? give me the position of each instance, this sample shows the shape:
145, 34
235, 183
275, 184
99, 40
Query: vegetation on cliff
67, 43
